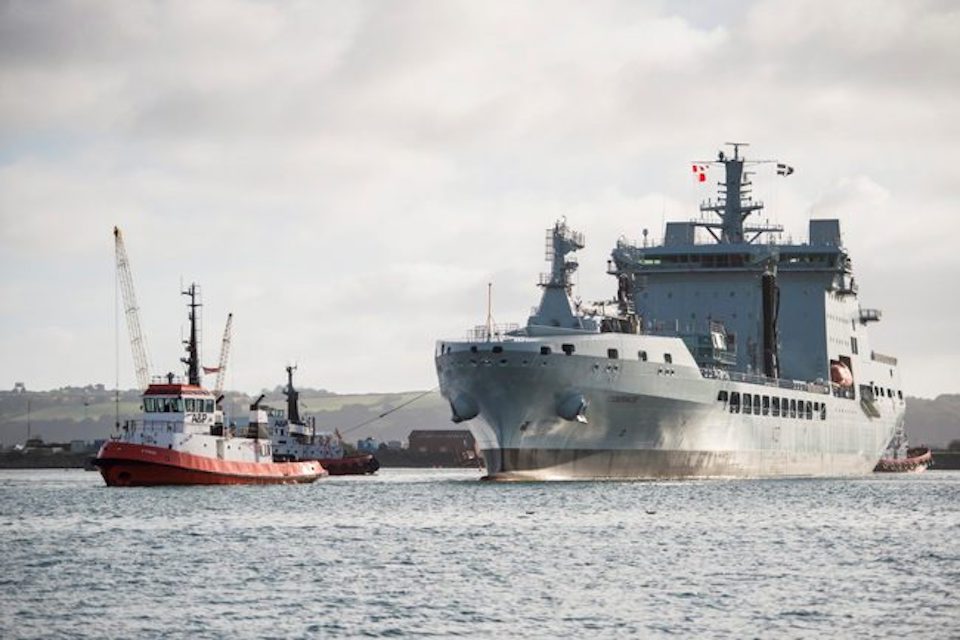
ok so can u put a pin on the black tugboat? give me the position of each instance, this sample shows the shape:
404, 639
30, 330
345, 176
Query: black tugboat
295, 438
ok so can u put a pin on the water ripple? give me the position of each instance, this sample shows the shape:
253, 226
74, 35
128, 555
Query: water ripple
436, 553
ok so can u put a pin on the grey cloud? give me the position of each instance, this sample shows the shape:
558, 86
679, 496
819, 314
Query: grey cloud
368, 167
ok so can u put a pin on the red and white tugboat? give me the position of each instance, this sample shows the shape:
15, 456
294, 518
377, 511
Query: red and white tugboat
181, 439
900, 457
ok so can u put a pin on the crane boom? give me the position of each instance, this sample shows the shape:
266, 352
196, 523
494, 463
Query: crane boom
224, 355
138, 342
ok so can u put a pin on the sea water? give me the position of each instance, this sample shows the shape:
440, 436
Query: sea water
411, 553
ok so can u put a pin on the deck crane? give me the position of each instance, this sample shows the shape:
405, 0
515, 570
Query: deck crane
221, 368
138, 342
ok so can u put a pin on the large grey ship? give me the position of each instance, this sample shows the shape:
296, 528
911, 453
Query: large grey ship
737, 356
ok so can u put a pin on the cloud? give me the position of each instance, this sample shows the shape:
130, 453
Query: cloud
347, 177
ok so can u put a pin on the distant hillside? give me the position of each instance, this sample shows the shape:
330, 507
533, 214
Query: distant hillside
88, 413
933, 422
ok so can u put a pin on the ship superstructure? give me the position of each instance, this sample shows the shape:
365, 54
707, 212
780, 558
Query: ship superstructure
728, 354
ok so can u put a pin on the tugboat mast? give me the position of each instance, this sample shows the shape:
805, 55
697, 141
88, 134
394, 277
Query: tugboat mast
193, 352
293, 398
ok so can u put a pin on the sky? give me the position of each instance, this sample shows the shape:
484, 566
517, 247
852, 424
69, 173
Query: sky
347, 177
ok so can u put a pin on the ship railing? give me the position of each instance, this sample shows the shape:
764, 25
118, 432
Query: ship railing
494, 333
816, 386
168, 379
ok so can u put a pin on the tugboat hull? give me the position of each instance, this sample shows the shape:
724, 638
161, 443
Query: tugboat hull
132, 465
359, 465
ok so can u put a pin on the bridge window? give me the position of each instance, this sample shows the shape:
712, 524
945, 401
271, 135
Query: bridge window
766, 405
793, 408
642, 355
823, 411
809, 411
747, 403
722, 396
568, 349
668, 358
756, 404
734, 402
775, 408
613, 354
853, 345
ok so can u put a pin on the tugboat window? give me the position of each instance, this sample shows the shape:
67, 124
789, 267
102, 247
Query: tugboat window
613, 354
544, 351
568, 349
722, 396
642, 355
668, 358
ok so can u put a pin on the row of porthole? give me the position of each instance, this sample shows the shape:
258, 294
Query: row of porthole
762, 405
487, 362
609, 368
570, 349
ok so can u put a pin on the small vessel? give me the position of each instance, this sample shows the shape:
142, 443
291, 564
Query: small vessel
181, 440
725, 352
297, 439
900, 457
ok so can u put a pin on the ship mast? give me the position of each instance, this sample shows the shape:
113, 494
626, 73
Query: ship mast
734, 203
192, 343
561, 241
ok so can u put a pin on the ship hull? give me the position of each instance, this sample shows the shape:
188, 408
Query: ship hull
654, 464
133, 465
645, 420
